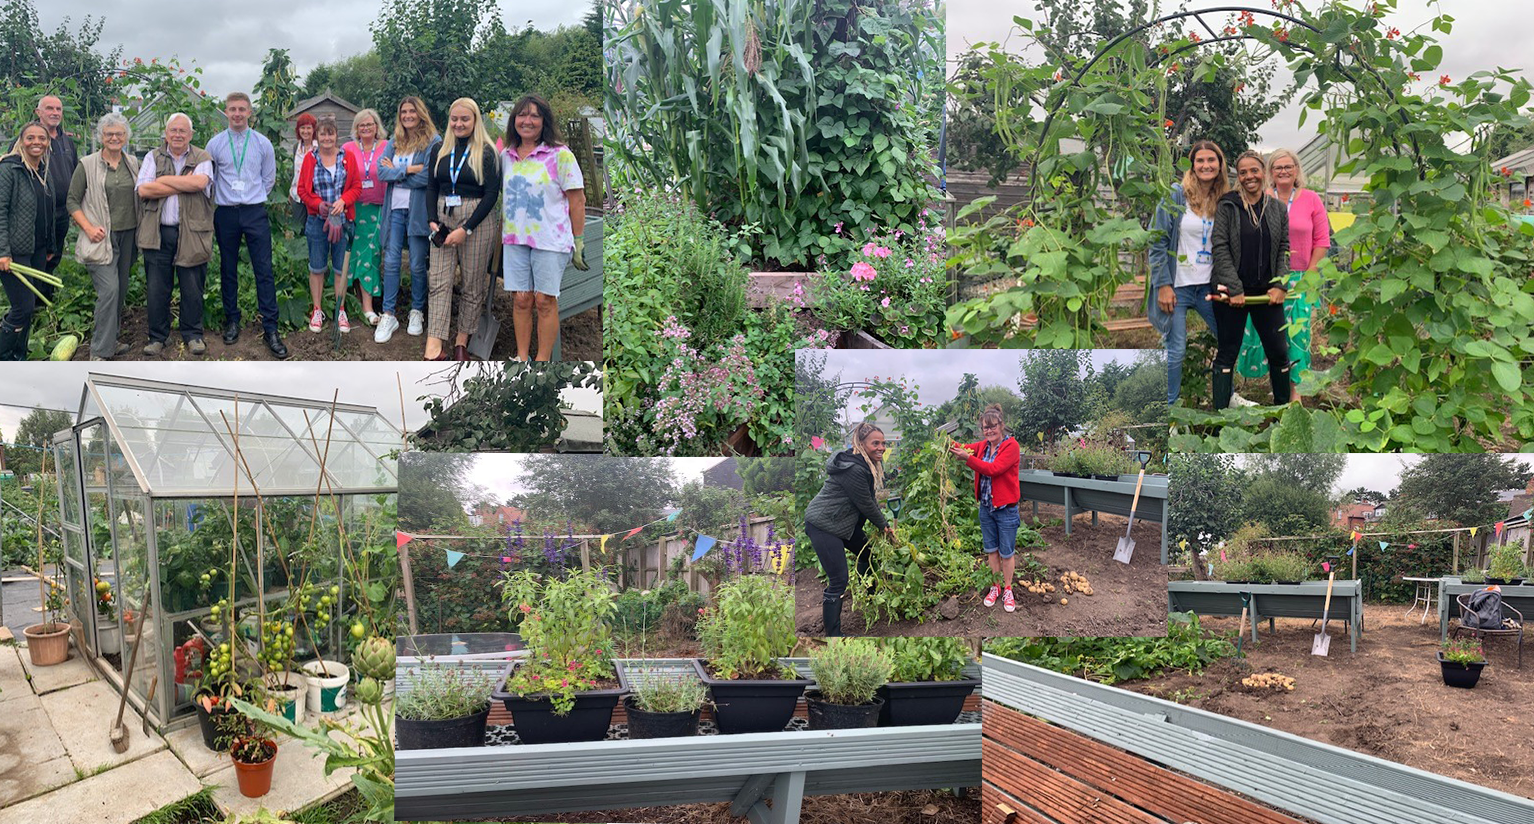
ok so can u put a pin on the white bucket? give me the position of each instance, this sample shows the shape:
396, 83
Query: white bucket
327, 693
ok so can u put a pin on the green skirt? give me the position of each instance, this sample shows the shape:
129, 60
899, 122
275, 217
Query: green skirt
1298, 308
366, 253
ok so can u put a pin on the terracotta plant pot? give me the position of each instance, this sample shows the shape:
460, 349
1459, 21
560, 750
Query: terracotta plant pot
47, 644
256, 779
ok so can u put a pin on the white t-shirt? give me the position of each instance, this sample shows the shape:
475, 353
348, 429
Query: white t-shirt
1193, 236
401, 197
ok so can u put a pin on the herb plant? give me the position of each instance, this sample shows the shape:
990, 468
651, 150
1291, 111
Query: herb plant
926, 659
849, 671
564, 623
670, 694
441, 693
749, 627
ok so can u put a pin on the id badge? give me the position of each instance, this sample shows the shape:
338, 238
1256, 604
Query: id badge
1203, 258
452, 201
238, 187
367, 184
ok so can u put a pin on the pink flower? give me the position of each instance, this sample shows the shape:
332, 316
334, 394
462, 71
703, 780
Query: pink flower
816, 442
880, 252
838, 229
868, 249
885, 302
863, 271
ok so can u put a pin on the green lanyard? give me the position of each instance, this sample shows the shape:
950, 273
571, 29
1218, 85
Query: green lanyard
239, 160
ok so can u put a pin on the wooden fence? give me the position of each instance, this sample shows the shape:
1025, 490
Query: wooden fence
644, 565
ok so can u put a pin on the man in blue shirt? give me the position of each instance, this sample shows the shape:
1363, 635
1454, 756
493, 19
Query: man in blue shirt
244, 171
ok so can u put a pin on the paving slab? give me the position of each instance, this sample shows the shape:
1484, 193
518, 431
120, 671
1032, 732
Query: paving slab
117, 796
82, 716
298, 781
13, 676
187, 744
32, 758
71, 673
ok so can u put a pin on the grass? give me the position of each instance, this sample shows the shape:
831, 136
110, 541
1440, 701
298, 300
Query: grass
200, 809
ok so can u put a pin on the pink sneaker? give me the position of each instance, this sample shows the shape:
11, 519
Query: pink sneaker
990, 597
316, 320
342, 323
1006, 601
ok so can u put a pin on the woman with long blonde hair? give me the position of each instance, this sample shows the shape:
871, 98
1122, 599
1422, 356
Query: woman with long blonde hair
834, 518
461, 193
404, 222
1181, 259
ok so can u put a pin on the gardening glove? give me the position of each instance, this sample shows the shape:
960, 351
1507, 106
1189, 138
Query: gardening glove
334, 228
579, 257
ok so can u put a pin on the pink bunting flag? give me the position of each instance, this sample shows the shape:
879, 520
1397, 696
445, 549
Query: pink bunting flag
400, 539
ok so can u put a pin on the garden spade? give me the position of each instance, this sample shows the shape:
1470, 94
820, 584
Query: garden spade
1126, 547
1322, 641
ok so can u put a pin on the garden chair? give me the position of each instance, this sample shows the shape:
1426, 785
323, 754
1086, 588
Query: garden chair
1516, 630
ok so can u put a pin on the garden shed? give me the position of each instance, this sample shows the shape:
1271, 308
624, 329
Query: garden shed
152, 480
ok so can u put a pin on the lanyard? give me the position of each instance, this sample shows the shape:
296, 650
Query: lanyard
455, 164
1204, 242
367, 159
239, 160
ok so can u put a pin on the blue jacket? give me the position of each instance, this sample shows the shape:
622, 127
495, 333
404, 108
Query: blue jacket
1163, 255
416, 183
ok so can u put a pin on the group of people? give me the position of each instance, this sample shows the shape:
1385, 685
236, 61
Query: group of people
836, 517
1236, 257
359, 205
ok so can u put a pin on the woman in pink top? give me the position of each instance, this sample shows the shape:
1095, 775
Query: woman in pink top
1310, 235
366, 148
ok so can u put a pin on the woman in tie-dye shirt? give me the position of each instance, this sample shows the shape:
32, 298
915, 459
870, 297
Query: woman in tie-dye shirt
543, 202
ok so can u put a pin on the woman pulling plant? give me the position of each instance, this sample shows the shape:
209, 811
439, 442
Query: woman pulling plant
1251, 245
26, 235
329, 185
1181, 258
1310, 236
834, 518
995, 462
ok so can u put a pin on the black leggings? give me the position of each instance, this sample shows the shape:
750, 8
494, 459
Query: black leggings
832, 552
1230, 328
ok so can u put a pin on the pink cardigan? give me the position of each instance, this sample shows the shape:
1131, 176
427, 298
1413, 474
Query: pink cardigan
1309, 228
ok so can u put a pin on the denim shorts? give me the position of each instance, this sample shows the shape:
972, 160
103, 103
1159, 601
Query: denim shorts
533, 270
321, 250
998, 528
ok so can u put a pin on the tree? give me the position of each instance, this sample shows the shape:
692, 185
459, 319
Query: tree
1362, 495
63, 63
1459, 488
818, 401
1285, 507
33, 435
1142, 393
965, 410
1053, 392
429, 49
767, 475
1011, 404
1313, 472
1203, 498
596, 492
359, 79
434, 489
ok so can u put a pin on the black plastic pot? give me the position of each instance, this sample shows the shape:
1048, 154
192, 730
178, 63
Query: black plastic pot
209, 723
535, 722
465, 731
1069, 474
754, 706
1506, 582
825, 715
924, 702
1113, 477
1463, 676
644, 724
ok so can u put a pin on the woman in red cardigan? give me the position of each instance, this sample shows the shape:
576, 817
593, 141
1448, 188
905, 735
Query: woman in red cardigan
329, 185
995, 461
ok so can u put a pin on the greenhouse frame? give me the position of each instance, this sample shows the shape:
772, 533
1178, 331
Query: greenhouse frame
149, 478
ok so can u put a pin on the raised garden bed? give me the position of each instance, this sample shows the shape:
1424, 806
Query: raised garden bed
1303, 600
1093, 495
1520, 598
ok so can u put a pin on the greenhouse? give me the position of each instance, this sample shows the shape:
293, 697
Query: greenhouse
149, 480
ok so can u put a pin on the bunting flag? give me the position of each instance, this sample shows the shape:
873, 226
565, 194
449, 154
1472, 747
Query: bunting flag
1384, 544
1183, 544
1355, 536
632, 532
453, 558
672, 516
1351, 548
705, 543
1528, 513
1326, 566
1222, 556
1411, 546
505, 559
1498, 526
603, 546
1472, 531
400, 539
1211, 569
817, 443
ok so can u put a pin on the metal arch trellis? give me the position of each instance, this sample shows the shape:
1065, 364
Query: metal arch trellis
1107, 48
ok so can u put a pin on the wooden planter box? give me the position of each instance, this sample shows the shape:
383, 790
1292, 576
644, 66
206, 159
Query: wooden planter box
1092, 495
1304, 600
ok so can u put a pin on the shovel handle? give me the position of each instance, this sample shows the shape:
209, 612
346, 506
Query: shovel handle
1326, 610
1135, 504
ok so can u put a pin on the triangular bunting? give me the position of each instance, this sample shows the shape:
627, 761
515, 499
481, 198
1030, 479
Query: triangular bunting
453, 558
1498, 526
633, 532
705, 543
672, 516
602, 547
400, 539
1472, 531
1384, 544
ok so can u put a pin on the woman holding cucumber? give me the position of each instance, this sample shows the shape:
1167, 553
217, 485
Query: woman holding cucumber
834, 518
995, 461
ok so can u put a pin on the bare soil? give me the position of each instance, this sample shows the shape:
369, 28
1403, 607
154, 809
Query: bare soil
910, 807
1126, 600
580, 339
1388, 700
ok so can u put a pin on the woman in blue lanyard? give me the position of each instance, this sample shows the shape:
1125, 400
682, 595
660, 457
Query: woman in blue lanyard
461, 193
1181, 263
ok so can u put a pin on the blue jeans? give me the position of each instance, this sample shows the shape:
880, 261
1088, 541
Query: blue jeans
1177, 337
420, 252
998, 529
231, 225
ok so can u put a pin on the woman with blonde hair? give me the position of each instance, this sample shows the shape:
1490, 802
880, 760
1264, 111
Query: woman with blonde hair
461, 193
404, 222
366, 148
1310, 236
1181, 259
995, 460
834, 518
1251, 251
26, 233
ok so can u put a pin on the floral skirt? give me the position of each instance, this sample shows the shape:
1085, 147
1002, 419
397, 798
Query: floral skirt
1298, 309
366, 252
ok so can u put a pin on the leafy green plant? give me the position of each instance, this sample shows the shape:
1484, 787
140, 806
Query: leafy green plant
896, 287
670, 694
850, 670
1505, 561
514, 407
1463, 651
1473, 576
441, 693
749, 627
1281, 566
926, 659
563, 622
1187, 647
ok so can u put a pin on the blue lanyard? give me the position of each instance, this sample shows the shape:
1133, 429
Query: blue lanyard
1208, 223
455, 164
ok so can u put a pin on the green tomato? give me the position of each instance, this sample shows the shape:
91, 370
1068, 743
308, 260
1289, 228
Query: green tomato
335, 590
358, 630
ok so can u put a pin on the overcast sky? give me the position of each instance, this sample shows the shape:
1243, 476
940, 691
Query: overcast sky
498, 471
935, 374
1486, 34
370, 383
1381, 473
231, 41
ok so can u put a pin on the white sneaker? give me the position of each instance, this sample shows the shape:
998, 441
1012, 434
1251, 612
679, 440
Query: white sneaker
386, 328
1237, 400
417, 323
372, 318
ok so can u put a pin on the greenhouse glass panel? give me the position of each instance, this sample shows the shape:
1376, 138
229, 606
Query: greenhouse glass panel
69, 481
380, 436
267, 446
132, 553
173, 445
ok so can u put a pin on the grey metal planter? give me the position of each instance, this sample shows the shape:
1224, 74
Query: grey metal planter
1304, 600
1092, 495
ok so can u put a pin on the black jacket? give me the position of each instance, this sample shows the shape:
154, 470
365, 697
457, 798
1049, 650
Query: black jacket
846, 499
63, 157
1226, 245
21, 197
